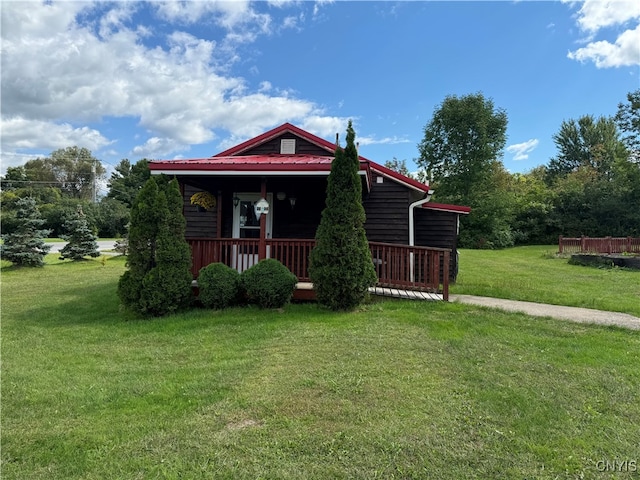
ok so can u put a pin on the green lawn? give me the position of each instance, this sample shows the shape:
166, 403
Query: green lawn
537, 274
397, 389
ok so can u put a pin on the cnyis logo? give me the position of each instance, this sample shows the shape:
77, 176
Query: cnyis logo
617, 465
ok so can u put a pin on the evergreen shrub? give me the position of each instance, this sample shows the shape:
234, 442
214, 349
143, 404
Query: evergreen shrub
219, 286
81, 240
25, 246
158, 280
268, 284
341, 268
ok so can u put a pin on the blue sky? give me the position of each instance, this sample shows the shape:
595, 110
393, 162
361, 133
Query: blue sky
187, 79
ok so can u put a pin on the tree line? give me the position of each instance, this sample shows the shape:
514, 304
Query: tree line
69, 180
590, 187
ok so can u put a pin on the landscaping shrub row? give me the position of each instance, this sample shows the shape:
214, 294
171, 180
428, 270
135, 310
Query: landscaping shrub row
268, 284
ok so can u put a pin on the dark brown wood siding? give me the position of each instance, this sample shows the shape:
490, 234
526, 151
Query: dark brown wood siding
199, 224
301, 220
438, 229
303, 147
387, 209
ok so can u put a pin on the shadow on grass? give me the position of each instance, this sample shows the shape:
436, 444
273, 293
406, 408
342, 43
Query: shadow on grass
79, 293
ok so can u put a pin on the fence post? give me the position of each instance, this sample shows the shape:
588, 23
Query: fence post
560, 246
583, 243
445, 276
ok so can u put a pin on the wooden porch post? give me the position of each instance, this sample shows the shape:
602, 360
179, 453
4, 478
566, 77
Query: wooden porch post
262, 244
219, 216
445, 276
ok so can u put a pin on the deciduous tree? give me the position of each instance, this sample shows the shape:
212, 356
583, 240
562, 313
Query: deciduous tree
464, 137
586, 142
73, 170
628, 121
460, 157
399, 166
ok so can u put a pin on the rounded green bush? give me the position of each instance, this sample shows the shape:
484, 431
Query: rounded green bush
268, 283
219, 286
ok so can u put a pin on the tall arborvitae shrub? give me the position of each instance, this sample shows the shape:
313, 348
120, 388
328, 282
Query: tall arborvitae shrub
81, 240
341, 268
158, 280
25, 246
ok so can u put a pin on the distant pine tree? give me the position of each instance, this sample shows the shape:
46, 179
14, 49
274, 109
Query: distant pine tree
341, 268
81, 240
25, 246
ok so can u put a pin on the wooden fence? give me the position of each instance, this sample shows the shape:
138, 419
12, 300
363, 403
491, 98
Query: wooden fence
599, 245
397, 266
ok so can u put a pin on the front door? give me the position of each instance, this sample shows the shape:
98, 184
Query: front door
247, 225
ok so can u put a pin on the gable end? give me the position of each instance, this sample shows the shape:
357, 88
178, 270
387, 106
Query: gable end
274, 147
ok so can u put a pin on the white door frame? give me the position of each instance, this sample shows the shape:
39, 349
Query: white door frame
251, 197
243, 261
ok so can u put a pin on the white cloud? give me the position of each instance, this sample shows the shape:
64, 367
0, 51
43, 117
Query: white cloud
265, 86
522, 150
20, 133
157, 148
58, 72
596, 15
290, 22
227, 13
325, 127
320, 3
280, 3
624, 52
15, 159
381, 141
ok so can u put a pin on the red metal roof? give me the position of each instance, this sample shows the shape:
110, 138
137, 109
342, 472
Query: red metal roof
444, 207
232, 160
273, 162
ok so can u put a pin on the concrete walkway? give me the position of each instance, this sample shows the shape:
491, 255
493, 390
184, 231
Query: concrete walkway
573, 314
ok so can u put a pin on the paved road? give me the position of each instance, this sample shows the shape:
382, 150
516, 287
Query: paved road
574, 314
102, 245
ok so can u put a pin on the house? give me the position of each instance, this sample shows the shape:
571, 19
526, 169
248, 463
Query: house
283, 173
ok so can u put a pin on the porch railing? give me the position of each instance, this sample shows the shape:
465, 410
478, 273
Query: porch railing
242, 253
599, 245
397, 266
411, 268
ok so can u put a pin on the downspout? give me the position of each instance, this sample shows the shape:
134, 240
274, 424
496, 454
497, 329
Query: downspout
412, 233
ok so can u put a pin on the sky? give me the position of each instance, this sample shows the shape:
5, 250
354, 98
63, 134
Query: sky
188, 79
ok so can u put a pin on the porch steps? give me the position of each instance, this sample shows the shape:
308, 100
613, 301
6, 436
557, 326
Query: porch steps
409, 294
304, 291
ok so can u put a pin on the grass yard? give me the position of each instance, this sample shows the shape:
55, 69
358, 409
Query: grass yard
397, 389
536, 274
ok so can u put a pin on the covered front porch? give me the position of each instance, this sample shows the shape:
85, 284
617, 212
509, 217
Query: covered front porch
423, 269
